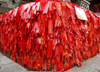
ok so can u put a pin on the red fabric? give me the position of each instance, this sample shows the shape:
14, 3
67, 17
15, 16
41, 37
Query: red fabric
47, 34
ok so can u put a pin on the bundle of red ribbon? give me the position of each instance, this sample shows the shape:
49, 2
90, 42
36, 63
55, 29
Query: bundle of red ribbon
48, 34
